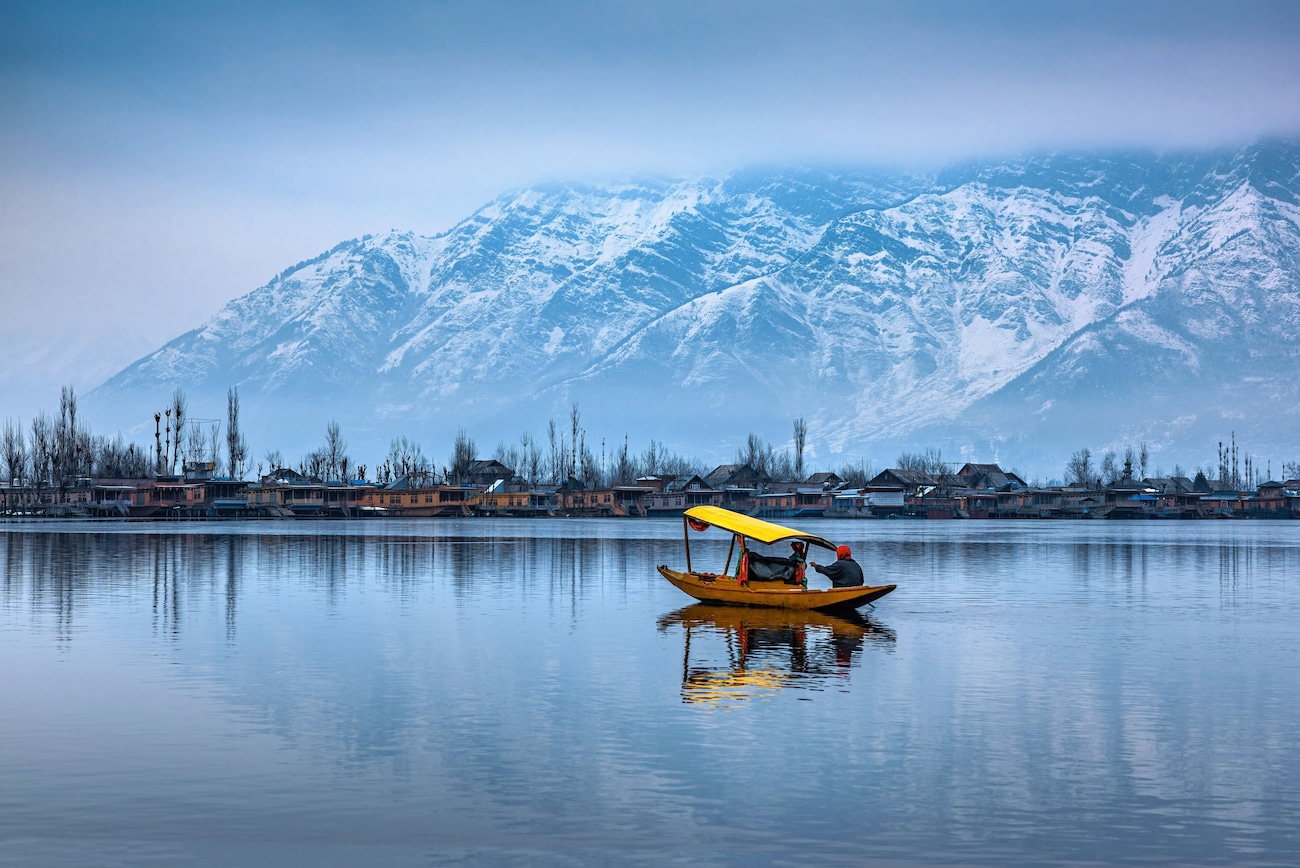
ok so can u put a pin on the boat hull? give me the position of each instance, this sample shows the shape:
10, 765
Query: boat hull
774, 595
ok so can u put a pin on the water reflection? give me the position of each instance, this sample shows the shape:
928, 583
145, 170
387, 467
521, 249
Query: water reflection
1064, 693
766, 650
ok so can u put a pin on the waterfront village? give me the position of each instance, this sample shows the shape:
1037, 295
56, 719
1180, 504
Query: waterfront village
62, 470
490, 488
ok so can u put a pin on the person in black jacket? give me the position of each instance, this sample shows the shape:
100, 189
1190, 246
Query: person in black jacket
845, 572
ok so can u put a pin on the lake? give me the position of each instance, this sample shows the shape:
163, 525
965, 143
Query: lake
531, 692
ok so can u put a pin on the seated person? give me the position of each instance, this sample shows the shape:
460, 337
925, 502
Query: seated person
798, 557
845, 572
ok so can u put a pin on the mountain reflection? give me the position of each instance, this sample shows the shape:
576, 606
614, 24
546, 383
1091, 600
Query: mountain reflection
734, 654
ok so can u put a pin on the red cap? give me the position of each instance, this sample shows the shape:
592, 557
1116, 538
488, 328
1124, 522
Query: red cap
842, 552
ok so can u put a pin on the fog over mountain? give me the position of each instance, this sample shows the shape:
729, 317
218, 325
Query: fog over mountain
1011, 310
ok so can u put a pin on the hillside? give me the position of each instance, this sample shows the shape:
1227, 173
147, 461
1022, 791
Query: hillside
1026, 307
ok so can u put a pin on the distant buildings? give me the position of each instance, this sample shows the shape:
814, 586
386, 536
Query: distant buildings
976, 491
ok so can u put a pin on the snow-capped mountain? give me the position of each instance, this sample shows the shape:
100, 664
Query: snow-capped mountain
1043, 303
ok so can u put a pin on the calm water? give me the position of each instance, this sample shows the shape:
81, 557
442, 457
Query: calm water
531, 692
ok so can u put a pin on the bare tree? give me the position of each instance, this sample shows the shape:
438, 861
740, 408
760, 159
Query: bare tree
41, 449
930, 461
1109, 470
160, 454
274, 461
574, 417
405, 457
13, 451
117, 459
196, 445
1144, 458
1078, 470
650, 460
588, 468
532, 458
463, 456
312, 464
800, 441
623, 471
780, 466
214, 447
334, 450
511, 456
236, 445
856, 474
66, 453
756, 453
179, 412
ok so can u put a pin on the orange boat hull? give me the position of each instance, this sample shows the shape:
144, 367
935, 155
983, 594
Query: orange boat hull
775, 595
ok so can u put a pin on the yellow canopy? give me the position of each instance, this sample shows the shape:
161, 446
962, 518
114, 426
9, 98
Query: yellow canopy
753, 528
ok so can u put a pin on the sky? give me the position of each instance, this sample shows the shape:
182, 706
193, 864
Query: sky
159, 159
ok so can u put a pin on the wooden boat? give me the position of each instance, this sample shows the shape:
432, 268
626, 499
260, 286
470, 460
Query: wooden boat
744, 589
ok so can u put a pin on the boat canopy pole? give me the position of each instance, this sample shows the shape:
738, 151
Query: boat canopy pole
686, 536
726, 571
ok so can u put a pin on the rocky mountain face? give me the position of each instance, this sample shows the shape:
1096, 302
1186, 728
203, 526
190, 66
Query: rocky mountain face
1014, 310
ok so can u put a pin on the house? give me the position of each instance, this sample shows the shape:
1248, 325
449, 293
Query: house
284, 492
989, 477
905, 480
417, 494
656, 483
484, 473
1131, 499
630, 499
1170, 484
502, 502
680, 495
574, 498
228, 497
803, 502
726, 476
826, 480
346, 498
879, 502
172, 496
120, 497
1270, 501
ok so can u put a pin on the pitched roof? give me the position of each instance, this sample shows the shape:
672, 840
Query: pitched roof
899, 476
734, 475
990, 476
824, 477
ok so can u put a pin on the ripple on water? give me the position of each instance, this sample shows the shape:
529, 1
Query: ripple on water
454, 692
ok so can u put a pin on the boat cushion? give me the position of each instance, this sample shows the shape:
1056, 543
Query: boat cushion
766, 569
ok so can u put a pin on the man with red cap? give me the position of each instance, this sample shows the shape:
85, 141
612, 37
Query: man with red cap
845, 572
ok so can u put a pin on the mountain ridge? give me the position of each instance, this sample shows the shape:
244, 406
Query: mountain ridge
886, 307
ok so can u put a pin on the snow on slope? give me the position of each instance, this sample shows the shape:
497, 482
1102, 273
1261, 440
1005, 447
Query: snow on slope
877, 304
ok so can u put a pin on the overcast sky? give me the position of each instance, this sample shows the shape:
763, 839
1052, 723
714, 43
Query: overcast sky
155, 163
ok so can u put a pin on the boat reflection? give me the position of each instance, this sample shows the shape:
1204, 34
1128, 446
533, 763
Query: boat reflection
735, 654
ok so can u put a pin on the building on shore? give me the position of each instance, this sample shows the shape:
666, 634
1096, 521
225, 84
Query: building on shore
976, 491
